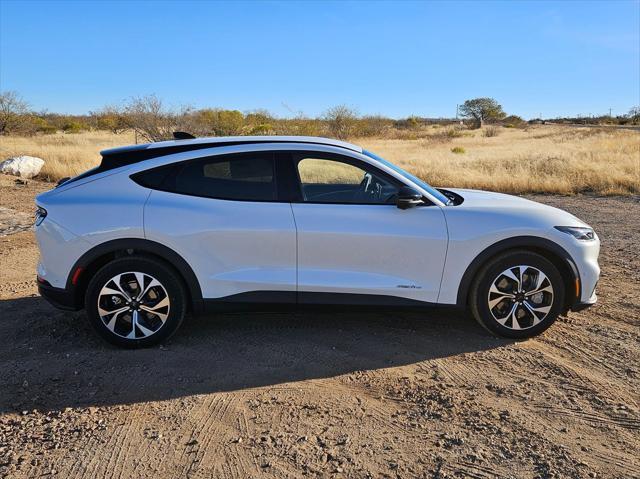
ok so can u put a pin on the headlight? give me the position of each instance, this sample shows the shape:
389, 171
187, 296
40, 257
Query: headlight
578, 232
41, 214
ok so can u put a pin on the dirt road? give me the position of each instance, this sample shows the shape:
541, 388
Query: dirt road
366, 395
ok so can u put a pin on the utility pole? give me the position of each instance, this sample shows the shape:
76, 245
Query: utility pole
457, 111
609, 112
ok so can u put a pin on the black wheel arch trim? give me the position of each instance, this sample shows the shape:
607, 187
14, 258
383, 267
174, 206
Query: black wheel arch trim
138, 245
518, 242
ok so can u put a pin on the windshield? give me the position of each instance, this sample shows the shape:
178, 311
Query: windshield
435, 193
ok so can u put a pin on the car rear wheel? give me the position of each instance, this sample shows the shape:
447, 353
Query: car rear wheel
135, 302
517, 295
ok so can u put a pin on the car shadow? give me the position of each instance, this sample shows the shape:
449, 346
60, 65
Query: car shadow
51, 359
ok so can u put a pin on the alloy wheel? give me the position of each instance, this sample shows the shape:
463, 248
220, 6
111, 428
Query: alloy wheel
133, 305
520, 297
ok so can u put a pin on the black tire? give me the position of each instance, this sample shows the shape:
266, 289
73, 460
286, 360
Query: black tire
172, 288
479, 295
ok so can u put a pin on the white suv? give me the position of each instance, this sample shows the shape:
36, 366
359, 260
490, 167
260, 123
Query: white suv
213, 224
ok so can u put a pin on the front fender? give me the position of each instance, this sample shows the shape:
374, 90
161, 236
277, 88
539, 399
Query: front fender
461, 278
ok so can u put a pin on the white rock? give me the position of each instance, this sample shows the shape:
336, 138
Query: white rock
23, 166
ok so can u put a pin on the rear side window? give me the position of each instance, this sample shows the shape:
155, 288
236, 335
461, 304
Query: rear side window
153, 178
247, 177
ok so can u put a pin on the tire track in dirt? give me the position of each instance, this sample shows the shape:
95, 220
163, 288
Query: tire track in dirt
586, 379
116, 463
576, 348
595, 419
216, 410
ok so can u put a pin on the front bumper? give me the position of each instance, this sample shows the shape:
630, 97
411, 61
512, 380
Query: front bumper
61, 298
581, 306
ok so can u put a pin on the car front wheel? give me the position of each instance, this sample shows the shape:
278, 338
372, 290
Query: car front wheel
517, 295
135, 302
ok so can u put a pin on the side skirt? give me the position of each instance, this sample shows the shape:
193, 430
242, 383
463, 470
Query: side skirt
306, 301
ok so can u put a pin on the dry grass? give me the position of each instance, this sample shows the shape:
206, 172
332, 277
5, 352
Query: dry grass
542, 159
64, 154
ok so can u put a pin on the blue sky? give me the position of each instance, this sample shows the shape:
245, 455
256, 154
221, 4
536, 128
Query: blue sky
391, 58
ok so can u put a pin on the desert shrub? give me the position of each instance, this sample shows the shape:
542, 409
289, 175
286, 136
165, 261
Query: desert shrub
411, 122
259, 122
229, 122
300, 127
74, 126
372, 126
261, 129
218, 122
110, 119
491, 131
40, 125
458, 150
453, 133
514, 121
341, 121
446, 135
258, 117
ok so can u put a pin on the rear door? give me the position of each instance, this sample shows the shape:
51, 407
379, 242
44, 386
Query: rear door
353, 240
223, 214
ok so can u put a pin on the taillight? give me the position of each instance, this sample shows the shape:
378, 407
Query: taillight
41, 214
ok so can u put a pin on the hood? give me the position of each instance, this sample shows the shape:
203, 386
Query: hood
510, 205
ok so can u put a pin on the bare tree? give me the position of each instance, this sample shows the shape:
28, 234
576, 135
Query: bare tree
341, 121
148, 117
481, 110
14, 113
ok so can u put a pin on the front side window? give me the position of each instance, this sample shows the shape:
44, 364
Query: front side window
425, 186
242, 177
335, 180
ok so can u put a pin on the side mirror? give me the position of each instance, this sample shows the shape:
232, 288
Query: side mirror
408, 198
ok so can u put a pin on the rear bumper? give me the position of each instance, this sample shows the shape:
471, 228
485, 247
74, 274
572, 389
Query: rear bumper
59, 297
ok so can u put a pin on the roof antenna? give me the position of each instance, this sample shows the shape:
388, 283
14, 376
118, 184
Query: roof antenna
182, 135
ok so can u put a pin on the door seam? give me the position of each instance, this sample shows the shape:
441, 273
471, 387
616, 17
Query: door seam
295, 224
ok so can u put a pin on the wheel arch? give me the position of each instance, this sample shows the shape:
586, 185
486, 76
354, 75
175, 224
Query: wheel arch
91, 261
547, 248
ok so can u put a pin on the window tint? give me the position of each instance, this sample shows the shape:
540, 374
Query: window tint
329, 180
153, 178
246, 177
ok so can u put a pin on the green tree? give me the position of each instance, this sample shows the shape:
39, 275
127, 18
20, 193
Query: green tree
482, 109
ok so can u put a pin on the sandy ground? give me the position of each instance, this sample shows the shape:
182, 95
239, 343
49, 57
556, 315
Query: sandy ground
359, 395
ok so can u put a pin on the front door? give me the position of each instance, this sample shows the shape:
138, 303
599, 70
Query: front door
353, 240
